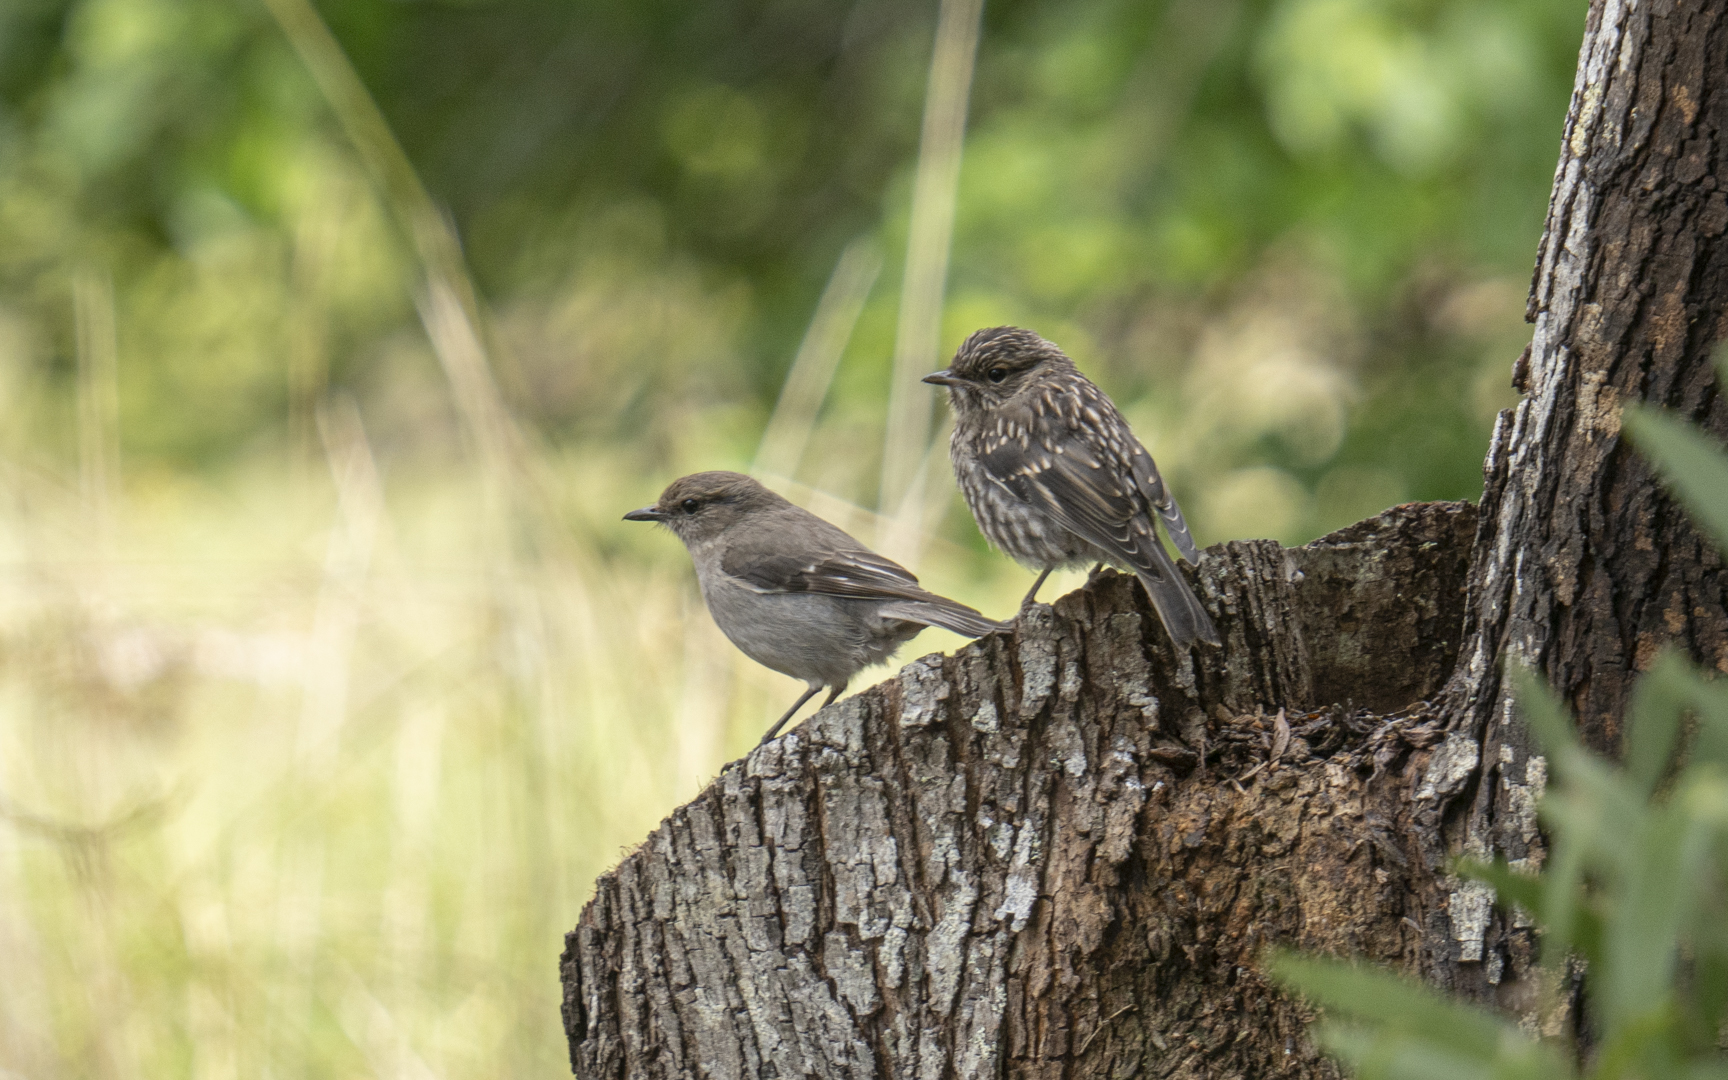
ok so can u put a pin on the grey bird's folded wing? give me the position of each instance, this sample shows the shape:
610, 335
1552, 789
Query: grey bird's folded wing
1094, 495
862, 574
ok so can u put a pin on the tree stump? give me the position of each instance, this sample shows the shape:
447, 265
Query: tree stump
1062, 846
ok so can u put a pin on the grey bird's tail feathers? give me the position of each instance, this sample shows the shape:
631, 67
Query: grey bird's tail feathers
1178, 608
947, 614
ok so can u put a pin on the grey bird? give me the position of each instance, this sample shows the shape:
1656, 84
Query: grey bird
795, 593
1055, 477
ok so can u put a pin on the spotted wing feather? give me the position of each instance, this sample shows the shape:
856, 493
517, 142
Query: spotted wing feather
1105, 427
1075, 484
1089, 485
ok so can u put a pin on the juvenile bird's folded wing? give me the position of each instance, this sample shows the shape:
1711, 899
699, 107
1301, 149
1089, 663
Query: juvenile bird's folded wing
1159, 497
862, 574
1091, 494
1087, 493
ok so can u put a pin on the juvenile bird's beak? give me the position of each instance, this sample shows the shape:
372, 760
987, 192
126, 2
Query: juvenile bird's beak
942, 378
647, 513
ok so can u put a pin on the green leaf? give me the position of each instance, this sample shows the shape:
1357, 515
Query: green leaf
1568, 924
1642, 1045
1707, 1070
1710, 999
1373, 994
1693, 464
1547, 715
1659, 701
1510, 886
1651, 898
1383, 1054
1709, 698
1549, 721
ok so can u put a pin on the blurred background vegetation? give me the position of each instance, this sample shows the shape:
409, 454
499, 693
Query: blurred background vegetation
329, 677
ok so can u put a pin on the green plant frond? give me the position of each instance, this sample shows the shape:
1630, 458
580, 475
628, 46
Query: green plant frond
1655, 895
1374, 994
1378, 1054
1563, 911
1383, 1052
1709, 698
1674, 686
1707, 1006
1693, 464
1641, 1044
1510, 886
1549, 720
1659, 701
1602, 809
1703, 797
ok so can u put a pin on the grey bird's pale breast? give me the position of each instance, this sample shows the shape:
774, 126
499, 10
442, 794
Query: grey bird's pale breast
1018, 529
823, 640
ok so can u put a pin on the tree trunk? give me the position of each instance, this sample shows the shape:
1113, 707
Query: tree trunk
1584, 568
1061, 852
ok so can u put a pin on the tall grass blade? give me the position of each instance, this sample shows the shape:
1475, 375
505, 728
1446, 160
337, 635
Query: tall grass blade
935, 191
98, 399
450, 307
347, 564
806, 386
910, 524
316, 235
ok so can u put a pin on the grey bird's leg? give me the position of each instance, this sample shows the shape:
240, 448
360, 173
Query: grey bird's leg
799, 704
1032, 593
1092, 575
796, 705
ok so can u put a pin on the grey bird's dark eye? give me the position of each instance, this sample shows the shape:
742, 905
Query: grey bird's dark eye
996, 374
690, 506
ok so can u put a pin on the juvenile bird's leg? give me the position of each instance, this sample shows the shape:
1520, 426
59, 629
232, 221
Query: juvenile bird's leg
1032, 593
1092, 574
796, 705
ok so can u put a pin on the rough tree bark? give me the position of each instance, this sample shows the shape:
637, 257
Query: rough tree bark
1584, 568
1060, 852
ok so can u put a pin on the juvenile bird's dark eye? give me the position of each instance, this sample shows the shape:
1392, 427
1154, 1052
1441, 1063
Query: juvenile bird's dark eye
996, 374
690, 506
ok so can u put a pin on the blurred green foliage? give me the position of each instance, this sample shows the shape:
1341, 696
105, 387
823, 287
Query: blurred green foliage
1293, 234
1633, 893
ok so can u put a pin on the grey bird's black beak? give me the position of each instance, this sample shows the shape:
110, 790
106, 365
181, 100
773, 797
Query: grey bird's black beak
942, 378
647, 513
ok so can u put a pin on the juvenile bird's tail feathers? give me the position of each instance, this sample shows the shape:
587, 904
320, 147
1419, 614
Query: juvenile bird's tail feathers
1179, 609
948, 614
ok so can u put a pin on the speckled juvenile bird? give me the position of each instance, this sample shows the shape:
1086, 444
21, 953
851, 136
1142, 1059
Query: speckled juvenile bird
795, 593
1055, 477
